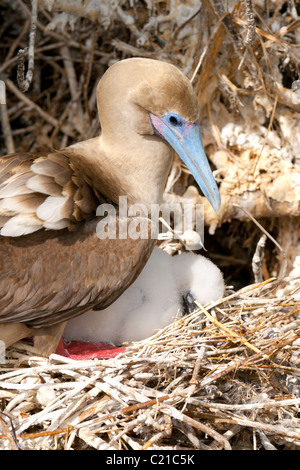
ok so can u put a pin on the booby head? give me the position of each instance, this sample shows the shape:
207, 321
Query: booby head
155, 100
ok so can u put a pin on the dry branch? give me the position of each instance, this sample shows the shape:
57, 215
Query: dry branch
24, 82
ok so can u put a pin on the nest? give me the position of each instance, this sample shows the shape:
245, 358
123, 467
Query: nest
226, 376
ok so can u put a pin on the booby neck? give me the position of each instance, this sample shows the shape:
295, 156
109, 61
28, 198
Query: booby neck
133, 165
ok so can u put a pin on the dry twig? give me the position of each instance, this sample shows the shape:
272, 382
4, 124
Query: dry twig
24, 82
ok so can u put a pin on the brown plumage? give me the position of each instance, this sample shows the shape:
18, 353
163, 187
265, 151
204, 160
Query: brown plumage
53, 265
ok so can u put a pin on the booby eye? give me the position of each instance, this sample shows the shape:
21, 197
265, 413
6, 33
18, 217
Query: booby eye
175, 120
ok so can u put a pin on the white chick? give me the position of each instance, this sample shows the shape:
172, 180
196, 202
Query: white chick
152, 302
199, 275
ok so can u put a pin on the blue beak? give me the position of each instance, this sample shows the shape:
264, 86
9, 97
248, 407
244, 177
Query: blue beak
185, 138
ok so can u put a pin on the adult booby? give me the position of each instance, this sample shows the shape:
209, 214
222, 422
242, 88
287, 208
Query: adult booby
53, 264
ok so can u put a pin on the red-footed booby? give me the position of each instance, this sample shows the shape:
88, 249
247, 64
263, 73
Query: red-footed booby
53, 264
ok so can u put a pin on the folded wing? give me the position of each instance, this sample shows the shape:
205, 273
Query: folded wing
42, 191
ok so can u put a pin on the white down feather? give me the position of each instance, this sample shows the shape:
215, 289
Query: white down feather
152, 302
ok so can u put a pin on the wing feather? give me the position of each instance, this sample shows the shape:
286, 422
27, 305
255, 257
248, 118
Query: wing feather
47, 280
42, 191
48, 276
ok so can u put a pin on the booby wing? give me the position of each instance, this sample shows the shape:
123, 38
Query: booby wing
53, 265
49, 277
42, 191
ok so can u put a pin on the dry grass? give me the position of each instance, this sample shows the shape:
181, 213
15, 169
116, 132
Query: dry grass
224, 377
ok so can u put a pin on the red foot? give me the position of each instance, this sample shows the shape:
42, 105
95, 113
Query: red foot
81, 350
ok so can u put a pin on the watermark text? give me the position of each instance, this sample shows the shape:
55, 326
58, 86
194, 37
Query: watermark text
154, 221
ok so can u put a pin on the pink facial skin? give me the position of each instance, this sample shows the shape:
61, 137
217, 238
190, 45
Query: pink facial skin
188, 126
159, 125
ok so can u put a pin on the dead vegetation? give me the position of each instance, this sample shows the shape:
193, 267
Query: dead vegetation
226, 376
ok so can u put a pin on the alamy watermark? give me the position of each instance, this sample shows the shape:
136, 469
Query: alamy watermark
2, 92
154, 221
